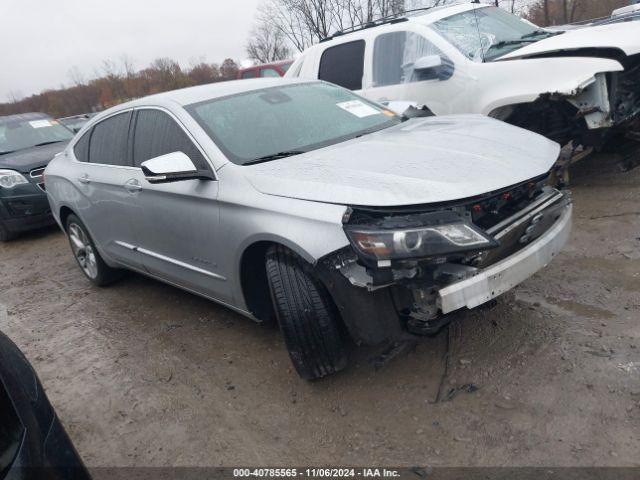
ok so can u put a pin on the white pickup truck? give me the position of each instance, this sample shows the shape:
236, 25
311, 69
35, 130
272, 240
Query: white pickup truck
581, 85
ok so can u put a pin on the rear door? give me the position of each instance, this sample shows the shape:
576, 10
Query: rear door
100, 174
176, 223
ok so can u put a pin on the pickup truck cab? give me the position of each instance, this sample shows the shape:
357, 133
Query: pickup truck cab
581, 85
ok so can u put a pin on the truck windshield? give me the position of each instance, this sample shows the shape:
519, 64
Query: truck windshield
21, 134
271, 123
484, 34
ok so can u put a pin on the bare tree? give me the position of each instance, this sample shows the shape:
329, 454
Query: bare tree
305, 22
76, 76
15, 96
127, 65
267, 43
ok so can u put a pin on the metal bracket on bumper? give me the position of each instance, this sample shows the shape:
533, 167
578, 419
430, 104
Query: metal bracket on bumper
506, 274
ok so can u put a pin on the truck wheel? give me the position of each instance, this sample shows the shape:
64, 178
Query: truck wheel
5, 235
307, 316
87, 256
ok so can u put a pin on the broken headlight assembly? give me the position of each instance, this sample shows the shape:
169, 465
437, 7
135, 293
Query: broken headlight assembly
435, 235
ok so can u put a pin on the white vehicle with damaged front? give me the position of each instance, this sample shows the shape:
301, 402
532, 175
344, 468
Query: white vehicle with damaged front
303, 203
581, 86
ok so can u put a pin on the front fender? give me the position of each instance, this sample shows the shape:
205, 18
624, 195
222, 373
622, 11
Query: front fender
512, 82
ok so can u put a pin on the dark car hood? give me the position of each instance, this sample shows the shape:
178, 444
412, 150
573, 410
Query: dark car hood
35, 157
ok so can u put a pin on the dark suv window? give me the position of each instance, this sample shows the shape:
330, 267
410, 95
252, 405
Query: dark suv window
343, 65
81, 148
108, 144
158, 134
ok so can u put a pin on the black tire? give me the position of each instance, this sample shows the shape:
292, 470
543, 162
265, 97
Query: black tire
86, 254
307, 316
5, 235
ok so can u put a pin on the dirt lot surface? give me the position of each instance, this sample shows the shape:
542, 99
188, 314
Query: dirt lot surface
144, 374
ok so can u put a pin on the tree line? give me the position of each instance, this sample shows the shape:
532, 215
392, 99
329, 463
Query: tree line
117, 83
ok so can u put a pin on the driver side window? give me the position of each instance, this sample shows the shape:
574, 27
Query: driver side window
394, 55
156, 133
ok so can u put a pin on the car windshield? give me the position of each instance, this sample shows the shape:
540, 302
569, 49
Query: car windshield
23, 133
270, 123
484, 34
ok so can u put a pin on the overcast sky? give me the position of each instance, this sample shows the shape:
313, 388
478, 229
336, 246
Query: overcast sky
42, 40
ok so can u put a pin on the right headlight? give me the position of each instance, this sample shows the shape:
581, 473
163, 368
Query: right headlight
11, 178
405, 243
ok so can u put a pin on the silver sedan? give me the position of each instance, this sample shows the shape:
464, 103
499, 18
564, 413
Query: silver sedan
302, 204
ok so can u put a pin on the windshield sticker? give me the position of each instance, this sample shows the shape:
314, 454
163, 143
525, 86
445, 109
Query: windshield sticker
358, 108
40, 123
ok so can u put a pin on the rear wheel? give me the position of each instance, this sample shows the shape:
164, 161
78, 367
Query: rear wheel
307, 316
87, 256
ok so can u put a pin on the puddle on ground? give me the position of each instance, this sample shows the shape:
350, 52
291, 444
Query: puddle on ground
580, 309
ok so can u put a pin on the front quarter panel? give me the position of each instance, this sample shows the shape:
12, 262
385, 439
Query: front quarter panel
512, 82
311, 229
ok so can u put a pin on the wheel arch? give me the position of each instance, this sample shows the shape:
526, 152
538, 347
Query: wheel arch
64, 213
252, 274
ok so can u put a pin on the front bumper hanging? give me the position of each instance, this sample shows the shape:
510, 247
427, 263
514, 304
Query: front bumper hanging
497, 279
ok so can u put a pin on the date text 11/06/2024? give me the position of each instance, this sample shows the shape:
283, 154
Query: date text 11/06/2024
316, 472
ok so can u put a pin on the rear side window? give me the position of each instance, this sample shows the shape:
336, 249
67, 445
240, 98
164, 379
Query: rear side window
108, 144
81, 148
249, 74
158, 134
343, 65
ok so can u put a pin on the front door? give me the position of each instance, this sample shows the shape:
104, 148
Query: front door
177, 224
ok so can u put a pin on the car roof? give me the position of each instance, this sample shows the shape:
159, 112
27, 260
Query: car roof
23, 117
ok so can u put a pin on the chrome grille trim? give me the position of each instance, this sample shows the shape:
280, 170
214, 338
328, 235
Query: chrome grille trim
37, 172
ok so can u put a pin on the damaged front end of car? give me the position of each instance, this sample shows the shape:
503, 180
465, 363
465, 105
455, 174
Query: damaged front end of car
406, 268
603, 110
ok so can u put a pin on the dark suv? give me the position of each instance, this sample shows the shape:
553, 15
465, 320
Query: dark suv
27, 143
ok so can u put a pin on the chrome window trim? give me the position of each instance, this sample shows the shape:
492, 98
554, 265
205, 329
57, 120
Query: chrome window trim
135, 109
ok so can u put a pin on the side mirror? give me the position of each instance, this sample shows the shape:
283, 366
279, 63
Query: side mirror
172, 167
433, 67
427, 63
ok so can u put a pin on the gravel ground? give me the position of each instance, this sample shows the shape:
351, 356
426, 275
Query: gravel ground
142, 374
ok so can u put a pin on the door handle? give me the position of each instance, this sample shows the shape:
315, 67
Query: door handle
132, 186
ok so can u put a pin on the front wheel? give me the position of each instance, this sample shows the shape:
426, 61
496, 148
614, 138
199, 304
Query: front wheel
87, 256
308, 318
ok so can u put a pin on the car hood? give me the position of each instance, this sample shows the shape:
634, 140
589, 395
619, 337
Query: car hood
35, 157
425, 160
623, 36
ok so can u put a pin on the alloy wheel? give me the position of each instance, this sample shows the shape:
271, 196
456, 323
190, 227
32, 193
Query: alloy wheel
83, 250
